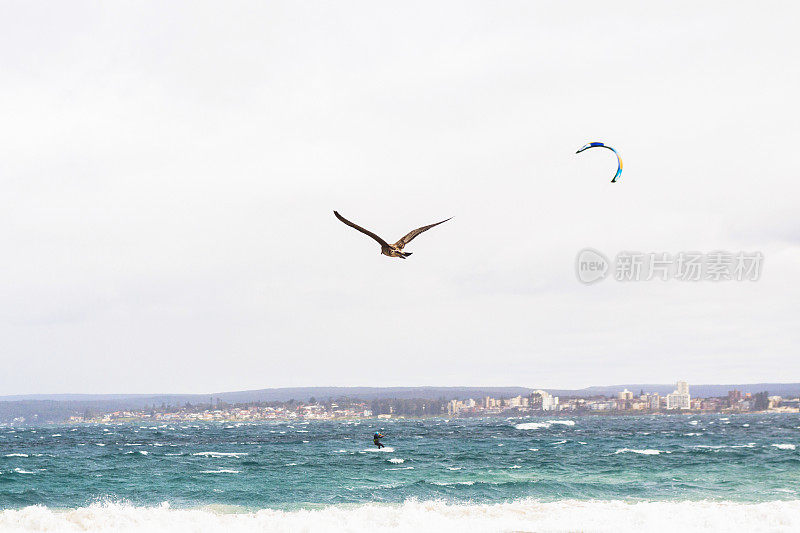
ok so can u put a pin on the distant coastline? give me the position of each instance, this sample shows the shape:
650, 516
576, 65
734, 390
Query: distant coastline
341, 403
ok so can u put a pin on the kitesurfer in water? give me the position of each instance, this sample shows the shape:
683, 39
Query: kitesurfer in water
376, 438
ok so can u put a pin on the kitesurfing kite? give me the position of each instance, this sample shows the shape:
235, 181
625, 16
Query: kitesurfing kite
603, 145
391, 250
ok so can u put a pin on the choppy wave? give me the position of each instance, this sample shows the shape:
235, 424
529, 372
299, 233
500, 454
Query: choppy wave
562, 422
533, 425
641, 452
413, 516
220, 454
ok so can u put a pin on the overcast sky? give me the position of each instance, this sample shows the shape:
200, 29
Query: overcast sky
168, 173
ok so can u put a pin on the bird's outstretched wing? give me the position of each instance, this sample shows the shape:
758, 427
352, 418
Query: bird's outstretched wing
408, 238
362, 230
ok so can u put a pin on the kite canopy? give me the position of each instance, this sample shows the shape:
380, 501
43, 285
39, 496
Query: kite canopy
603, 145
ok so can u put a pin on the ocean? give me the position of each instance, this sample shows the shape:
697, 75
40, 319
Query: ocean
591, 473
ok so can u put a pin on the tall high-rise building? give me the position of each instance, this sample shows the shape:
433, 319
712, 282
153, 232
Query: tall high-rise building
680, 399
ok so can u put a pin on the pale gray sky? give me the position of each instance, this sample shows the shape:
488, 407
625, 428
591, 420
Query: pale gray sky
168, 173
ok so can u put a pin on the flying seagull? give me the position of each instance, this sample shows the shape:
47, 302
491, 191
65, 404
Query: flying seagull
392, 250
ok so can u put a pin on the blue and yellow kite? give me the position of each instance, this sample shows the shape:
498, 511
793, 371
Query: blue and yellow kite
603, 145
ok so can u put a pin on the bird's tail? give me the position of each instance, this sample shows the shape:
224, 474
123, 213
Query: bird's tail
405, 254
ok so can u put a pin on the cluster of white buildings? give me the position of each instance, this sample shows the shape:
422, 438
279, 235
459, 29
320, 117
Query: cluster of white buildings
541, 400
538, 400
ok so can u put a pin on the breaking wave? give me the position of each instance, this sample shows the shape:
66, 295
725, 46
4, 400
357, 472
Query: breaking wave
641, 452
412, 516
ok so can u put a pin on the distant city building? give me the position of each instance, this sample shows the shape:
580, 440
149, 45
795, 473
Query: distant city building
654, 401
734, 397
625, 395
680, 398
518, 401
549, 402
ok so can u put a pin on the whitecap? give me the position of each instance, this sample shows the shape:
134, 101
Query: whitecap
562, 422
402, 468
220, 454
533, 425
397, 460
16, 455
785, 446
642, 452
220, 471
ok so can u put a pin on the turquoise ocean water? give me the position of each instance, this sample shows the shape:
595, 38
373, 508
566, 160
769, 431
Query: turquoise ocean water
514, 467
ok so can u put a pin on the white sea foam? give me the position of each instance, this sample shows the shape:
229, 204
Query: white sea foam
641, 452
220, 471
533, 425
397, 460
402, 468
562, 422
220, 454
785, 446
16, 455
21, 471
